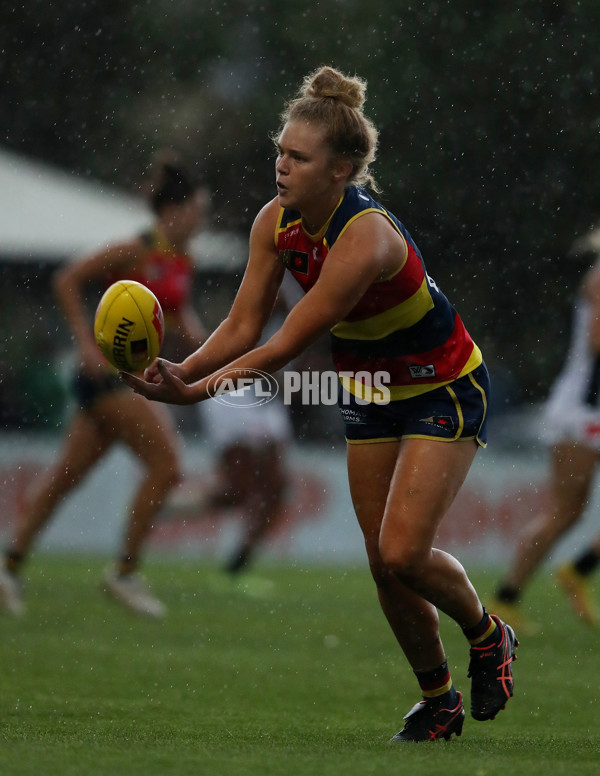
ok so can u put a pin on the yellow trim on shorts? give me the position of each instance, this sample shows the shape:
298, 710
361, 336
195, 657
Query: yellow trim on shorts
377, 440
373, 440
459, 413
485, 407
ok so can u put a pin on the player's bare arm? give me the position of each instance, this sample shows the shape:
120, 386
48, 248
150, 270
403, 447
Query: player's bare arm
68, 286
592, 294
368, 250
251, 309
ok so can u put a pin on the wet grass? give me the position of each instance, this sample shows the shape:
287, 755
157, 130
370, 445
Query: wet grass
305, 680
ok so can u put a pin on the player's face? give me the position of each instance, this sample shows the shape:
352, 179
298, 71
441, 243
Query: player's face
305, 167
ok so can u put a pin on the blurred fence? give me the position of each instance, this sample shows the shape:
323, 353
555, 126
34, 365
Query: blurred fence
505, 488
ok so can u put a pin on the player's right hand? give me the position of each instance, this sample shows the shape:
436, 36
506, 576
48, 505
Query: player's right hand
152, 373
169, 388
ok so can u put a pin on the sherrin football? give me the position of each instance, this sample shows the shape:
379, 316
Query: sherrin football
129, 326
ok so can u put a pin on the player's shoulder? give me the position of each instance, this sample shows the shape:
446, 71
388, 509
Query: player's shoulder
265, 224
269, 213
127, 250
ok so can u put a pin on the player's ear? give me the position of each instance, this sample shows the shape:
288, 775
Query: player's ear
341, 169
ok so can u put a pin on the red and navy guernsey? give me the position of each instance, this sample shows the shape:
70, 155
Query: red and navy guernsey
403, 325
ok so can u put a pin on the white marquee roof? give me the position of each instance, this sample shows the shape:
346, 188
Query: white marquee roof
50, 215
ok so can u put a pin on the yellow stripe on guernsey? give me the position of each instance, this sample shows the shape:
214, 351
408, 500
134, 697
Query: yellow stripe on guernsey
399, 392
402, 316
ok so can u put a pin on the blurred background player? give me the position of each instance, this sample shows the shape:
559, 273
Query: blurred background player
249, 433
572, 429
251, 438
106, 411
251, 442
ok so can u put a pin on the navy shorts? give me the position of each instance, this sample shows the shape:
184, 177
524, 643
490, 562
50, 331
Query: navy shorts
87, 390
457, 411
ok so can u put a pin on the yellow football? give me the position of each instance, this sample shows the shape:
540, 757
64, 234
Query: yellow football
129, 326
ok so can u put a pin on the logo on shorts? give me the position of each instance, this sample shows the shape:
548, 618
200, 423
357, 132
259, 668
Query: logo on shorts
419, 371
351, 416
444, 422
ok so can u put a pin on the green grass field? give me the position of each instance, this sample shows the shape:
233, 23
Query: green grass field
305, 681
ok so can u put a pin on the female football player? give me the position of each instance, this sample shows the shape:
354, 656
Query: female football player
106, 411
410, 446
572, 430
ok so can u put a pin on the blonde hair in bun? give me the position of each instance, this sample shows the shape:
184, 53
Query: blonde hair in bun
335, 101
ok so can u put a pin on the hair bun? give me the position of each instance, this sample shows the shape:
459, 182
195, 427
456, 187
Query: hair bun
334, 100
327, 82
170, 182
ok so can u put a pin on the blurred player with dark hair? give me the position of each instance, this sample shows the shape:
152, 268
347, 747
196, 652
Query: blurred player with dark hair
106, 410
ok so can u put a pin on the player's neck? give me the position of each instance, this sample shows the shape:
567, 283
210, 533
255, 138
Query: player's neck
169, 241
315, 217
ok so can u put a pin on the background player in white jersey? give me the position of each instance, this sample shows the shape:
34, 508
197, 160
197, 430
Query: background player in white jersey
252, 439
571, 426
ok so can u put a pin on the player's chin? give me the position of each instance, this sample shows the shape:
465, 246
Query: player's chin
284, 197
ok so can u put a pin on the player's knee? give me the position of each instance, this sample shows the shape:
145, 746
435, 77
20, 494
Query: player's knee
402, 560
380, 571
381, 574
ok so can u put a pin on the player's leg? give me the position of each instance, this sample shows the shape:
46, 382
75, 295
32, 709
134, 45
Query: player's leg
426, 479
413, 620
236, 476
263, 501
423, 480
370, 471
83, 445
575, 576
572, 467
149, 431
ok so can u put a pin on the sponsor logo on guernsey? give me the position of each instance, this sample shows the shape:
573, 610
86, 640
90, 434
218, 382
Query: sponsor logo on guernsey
419, 371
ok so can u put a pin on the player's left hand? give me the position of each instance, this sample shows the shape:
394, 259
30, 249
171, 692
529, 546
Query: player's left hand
170, 389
